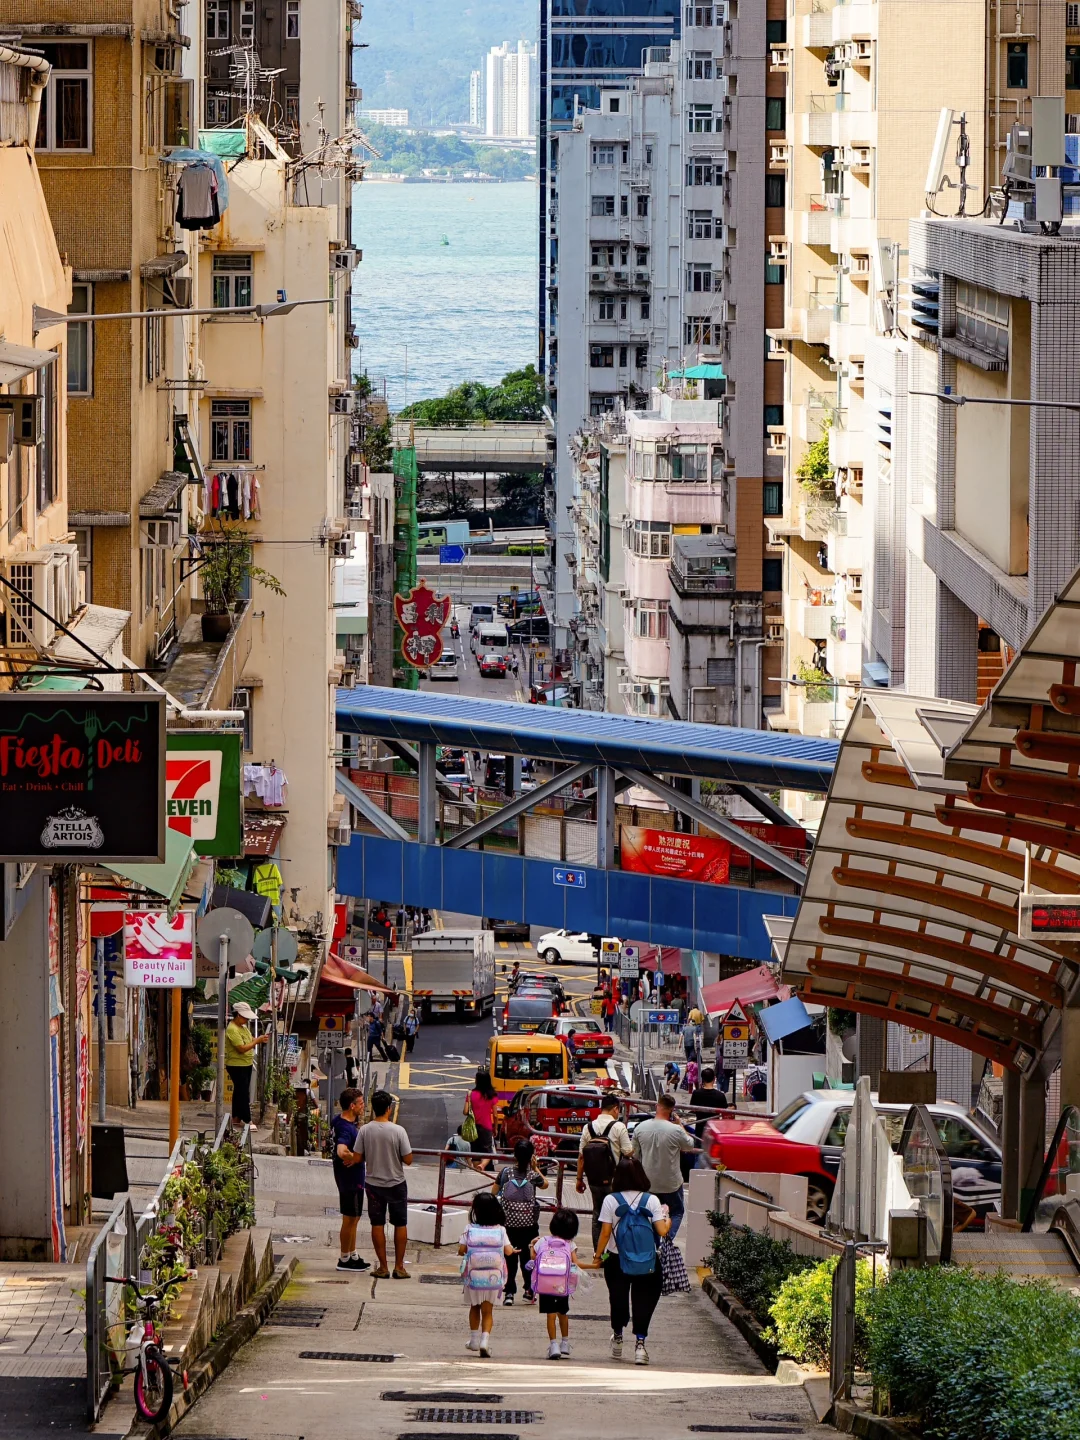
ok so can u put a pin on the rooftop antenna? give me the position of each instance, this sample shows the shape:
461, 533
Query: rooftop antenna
248, 69
936, 178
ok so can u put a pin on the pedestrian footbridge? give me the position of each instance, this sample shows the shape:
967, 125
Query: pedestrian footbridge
549, 856
497, 447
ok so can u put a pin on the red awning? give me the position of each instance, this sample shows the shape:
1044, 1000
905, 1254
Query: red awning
343, 972
748, 989
670, 957
262, 833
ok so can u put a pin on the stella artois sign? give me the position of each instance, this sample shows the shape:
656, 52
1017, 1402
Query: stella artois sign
422, 615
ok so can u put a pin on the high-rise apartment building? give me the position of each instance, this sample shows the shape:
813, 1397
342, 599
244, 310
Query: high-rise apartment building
476, 99
510, 91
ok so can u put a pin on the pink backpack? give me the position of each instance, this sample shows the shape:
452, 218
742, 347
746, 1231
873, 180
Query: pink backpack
553, 1268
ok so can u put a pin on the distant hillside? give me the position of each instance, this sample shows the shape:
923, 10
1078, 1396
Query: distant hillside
406, 153
421, 52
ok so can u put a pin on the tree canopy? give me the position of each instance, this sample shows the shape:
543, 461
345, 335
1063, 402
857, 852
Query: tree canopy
518, 396
412, 152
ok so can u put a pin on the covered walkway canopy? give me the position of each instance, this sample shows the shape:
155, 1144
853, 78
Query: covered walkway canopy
719, 752
937, 816
500, 447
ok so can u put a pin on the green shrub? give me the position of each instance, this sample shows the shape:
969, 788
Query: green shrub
802, 1314
977, 1357
752, 1266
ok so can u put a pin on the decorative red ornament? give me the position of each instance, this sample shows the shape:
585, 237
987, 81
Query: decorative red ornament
422, 615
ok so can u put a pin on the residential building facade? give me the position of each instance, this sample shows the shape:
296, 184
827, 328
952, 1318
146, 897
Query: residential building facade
510, 91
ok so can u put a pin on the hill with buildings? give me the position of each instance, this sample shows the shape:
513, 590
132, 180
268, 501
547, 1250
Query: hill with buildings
421, 52
407, 152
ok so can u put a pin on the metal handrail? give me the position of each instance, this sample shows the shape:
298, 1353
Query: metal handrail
99, 1353
944, 1164
1047, 1168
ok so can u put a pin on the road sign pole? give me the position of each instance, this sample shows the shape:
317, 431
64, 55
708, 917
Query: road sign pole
174, 1069
222, 1014
99, 955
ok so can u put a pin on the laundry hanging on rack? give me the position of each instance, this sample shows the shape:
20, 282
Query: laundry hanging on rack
197, 198
232, 495
266, 782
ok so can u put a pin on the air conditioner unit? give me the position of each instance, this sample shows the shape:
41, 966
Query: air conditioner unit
28, 413
338, 832
177, 291
348, 678
341, 404
625, 688
775, 632
345, 259
861, 51
165, 533
854, 581
663, 448
48, 578
622, 671
7, 435
639, 689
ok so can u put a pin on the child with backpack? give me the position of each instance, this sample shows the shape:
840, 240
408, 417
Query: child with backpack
632, 1223
554, 1278
484, 1248
516, 1187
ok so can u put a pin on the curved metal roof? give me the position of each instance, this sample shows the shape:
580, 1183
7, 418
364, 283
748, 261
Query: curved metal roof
760, 757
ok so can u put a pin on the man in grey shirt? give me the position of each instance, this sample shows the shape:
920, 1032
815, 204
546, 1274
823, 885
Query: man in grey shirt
386, 1150
658, 1144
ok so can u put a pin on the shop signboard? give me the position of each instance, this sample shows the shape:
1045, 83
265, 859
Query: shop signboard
82, 777
675, 855
159, 949
422, 615
202, 790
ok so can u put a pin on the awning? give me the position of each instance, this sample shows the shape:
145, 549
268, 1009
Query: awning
787, 1018
748, 989
224, 142
17, 361
169, 879
98, 626
163, 496
699, 372
167, 264
37, 680
107, 519
262, 833
338, 971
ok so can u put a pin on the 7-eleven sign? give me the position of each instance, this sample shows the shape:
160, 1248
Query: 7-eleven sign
202, 790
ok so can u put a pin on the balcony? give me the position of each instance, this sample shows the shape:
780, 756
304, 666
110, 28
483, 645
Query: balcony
843, 650
818, 30
817, 221
779, 154
703, 565
815, 717
811, 618
814, 322
779, 58
817, 120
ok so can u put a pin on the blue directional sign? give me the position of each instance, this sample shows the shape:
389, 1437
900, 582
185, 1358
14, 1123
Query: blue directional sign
662, 1017
451, 554
576, 878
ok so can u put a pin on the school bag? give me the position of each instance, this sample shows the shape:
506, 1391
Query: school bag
517, 1194
553, 1270
635, 1236
484, 1266
596, 1158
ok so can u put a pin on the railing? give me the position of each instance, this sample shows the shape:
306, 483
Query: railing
1062, 1159
928, 1176
112, 1254
704, 582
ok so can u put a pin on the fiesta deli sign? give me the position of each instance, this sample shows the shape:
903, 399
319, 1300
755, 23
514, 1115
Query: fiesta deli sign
82, 776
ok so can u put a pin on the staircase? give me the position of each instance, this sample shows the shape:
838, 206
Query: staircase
1024, 1257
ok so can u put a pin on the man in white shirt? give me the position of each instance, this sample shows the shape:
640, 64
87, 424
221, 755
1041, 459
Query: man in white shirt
603, 1143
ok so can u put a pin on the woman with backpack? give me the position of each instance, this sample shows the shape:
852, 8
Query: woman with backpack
486, 1248
516, 1189
632, 1223
480, 1107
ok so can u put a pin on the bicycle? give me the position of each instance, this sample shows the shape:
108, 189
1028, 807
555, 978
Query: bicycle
153, 1376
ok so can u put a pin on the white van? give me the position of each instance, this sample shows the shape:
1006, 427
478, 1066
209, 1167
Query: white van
487, 638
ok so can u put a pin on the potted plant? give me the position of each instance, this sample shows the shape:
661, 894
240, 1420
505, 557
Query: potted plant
226, 574
200, 1081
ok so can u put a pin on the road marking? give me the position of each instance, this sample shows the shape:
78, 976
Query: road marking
403, 1073
527, 1377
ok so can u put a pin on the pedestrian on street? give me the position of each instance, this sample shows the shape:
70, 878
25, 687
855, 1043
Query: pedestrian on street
516, 1188
706, 1097
240, 1059
412, 1025
349, 1176
608, 1007
691, 1037
659, 1144
374, 1037
604, 1141
486, 1248
632, 1222
481, 1103
555, 1275
386, 1149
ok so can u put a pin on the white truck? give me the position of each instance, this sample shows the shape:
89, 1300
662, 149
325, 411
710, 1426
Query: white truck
453, 973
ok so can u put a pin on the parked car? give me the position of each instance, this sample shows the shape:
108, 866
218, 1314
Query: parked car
445, 668
587, 1040
568, 946
494, 663
807, 1138
507, 929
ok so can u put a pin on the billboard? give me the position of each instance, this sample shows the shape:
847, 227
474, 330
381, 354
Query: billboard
677, 856
159, 949
202, 790
82, 777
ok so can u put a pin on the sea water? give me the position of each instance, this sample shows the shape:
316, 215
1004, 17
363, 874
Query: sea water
432, 315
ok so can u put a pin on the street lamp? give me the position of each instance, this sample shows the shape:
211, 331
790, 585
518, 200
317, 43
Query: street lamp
45, 319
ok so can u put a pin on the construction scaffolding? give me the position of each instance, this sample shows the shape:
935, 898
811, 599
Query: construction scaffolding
406, 676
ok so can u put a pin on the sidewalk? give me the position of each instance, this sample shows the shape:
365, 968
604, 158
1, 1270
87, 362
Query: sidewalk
389, 1356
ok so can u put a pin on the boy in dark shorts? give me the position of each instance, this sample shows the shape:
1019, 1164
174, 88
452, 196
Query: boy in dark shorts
349, 1176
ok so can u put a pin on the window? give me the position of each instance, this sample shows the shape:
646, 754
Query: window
622, 357
247, 19
232, 281
1072, 17
624, 307
701, 330
217, 109
772, 501
154, 343
64, 122
601, 404
16, 496
648, 154
217, 19
772, 567
241, 700
603, 255
1072, 67
603, 204
646, 309
1016, 67
602, 357
651, 619
605, 308
84, 543
776, 32
774, 415
641, 357
512, 1066
642, 207
46, 451
624, 204
690, 464
982, 319
838, 1128
703, 172
230, 430
154, 565
626, 154
292, 20
960, 1140
644, 463
774, 274
720, 672
775, 113
700, 15
624, 254
603, 154
775, 190
80, 343
641, 256
699, 119
292, 108
699, 67
651, 539
700, 277
699, 225
613, 105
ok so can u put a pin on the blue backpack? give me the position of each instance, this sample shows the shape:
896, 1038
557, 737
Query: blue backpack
635, 1237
